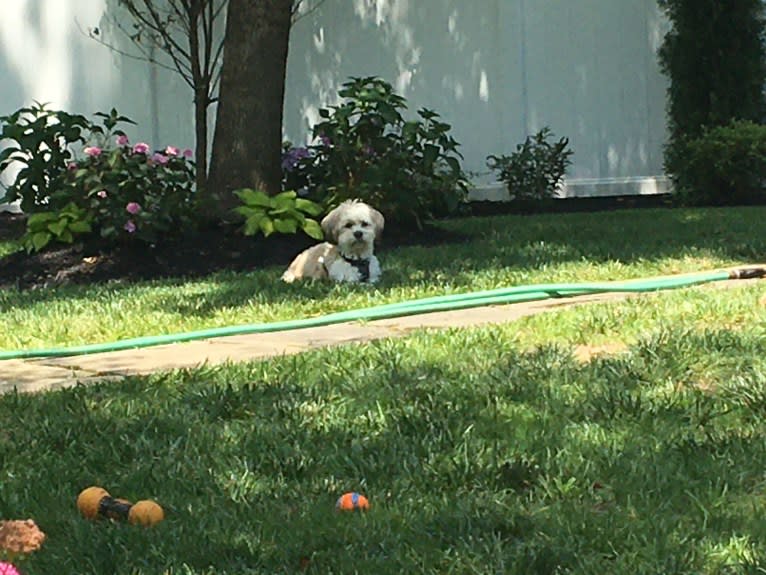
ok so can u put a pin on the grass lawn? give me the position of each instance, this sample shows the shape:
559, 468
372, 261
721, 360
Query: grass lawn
482, 451
502, 251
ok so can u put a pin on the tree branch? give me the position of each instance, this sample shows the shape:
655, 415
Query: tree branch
295, 16
144, 57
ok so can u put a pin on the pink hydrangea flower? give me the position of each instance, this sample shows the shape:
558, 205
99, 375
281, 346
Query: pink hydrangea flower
133, 208
101, 194
129, 226
71, 166
8, 569
122, 140
171, 151
160, 159
188, 153
140, 148
92, 151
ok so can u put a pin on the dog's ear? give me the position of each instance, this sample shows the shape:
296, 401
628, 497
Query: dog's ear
329, 225
378, 221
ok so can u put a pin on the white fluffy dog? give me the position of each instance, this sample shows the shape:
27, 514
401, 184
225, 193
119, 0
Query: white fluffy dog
347, 256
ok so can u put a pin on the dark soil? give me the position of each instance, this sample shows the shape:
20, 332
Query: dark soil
219, 249
196, 255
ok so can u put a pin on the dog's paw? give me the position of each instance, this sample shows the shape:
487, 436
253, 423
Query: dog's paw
288, 277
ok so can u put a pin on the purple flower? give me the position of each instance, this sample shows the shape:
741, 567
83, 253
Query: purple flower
160, 159
129, 226
71, 166
102, 194
188, 153
133, 208
140, 148
171, 151
122, 140
292, 158
326, 141
92, 151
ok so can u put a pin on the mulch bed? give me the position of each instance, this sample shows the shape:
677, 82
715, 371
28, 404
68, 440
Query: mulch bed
197, 255
218, 249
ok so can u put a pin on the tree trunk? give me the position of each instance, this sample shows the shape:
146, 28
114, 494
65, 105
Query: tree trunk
201, 103
247, 143
201, 97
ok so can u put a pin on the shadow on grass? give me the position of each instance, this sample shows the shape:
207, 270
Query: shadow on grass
489, 461
521, 244
500, 245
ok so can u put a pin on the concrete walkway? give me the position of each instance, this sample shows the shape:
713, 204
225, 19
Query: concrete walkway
43, 374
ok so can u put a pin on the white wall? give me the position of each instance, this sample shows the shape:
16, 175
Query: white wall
501, 69
495, 69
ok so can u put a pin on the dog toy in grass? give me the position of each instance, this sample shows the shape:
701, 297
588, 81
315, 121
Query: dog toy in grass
352, 501
95, 502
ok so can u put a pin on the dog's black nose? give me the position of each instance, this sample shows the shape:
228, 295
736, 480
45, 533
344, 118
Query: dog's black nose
358, 234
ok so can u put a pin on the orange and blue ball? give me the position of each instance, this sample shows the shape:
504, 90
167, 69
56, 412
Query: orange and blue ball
352, 501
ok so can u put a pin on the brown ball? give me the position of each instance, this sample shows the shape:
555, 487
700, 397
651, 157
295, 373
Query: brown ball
145, 513
89, 500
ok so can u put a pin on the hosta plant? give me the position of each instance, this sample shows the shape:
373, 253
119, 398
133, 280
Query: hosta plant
284, 213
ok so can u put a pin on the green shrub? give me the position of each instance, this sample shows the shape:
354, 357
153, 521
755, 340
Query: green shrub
124, 192
366, 149
284, 213
715, 60
133, 194
724, 165
38, 142
537, 167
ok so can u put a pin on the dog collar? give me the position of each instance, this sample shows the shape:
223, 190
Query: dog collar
361, 265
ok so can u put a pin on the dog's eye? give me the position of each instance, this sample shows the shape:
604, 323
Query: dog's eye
349, 225
365, 224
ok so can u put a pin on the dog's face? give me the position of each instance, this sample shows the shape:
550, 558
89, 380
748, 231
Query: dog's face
353, 227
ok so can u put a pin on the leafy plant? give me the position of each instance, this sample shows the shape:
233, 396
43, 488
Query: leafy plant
724, 165
127, 191
60, 225
38, 142
714, 56
715, 59
537, 167
132, 192
284, 213
364, 148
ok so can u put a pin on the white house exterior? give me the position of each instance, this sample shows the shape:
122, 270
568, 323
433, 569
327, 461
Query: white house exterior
497, 70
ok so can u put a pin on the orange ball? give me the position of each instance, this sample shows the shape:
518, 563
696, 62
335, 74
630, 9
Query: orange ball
145, 513
89, 499
352, 501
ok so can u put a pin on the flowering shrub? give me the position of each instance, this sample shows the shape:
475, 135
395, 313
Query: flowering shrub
294, 172
364, 148
132, 192
118, 190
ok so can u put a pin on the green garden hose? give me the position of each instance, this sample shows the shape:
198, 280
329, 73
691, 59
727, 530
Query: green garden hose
425, 305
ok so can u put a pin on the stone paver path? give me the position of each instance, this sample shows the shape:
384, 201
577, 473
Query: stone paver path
51, 373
